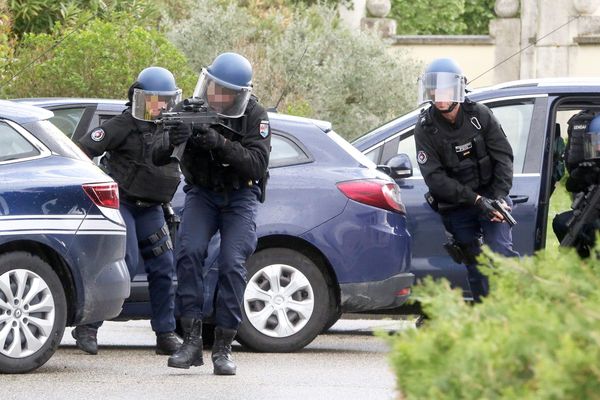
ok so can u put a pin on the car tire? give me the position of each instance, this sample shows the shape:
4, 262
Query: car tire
275, 318
33, 312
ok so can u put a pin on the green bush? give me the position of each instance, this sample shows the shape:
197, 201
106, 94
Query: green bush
101, 60
322, 68
537, 336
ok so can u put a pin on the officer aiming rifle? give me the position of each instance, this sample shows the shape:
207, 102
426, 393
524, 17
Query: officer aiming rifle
577, 227
194, 113
585, 212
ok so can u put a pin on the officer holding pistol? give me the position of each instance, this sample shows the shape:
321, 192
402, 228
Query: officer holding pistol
225, 167
467, 163
143, 189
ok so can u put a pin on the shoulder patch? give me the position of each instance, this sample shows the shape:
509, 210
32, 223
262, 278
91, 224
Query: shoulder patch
264, 128
97, 134
421, 157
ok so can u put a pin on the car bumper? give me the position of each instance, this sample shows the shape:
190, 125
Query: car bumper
105, 296
380, 295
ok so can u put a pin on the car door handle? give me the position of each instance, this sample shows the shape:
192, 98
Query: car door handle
518, 198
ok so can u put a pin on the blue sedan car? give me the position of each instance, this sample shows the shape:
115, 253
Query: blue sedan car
332, 233
62, 239
533, 113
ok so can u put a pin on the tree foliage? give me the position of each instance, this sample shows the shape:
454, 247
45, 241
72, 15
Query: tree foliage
41, 16
100, 60
537, 336
442, 17
305, 55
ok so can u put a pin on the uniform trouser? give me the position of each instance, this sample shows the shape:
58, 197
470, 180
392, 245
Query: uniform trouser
467, 226
142, 223
233, 214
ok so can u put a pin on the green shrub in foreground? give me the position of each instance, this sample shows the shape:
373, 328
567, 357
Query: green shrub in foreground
537, 336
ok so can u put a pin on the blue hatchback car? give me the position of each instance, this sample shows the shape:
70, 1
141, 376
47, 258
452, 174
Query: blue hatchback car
332, 233
62, 239
533, 113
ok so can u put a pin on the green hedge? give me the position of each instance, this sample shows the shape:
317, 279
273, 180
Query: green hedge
537, 336
100, 60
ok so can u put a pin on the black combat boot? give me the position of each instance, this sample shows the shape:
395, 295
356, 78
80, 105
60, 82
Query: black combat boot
190, 352
221, 352
86, 338
167, 343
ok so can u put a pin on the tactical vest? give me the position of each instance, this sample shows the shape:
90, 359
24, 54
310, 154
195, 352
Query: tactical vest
137, 176
467, 160
578, 125
201, 168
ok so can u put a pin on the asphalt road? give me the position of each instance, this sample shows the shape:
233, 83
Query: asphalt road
346, 363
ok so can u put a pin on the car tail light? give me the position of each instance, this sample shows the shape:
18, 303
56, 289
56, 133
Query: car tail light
103, 194
374, 192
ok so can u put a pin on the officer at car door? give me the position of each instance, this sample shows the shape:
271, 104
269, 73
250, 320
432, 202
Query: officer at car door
582, 157
467, 162
143, 189
225, 168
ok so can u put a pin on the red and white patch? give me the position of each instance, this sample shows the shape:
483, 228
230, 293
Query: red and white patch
264, 128
97, 135
421, 157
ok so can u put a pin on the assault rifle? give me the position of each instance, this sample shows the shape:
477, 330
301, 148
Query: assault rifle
507, 217
195, 114
585, 211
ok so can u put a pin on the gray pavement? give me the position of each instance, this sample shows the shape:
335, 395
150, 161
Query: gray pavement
347, 363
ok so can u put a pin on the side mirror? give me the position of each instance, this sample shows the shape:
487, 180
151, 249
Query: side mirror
400, 166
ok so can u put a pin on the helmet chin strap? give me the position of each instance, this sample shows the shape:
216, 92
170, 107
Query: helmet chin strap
450, 109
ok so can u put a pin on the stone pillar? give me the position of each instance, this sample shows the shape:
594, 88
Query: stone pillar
529, 16
553, 48
353, 14
379, 9
506, 30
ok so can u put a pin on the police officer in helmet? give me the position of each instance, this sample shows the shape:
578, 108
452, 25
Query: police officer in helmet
467, 162
224, 167
583, 156
143, 188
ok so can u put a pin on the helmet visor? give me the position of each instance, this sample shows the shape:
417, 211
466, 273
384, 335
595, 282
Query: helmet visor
591, 146
146, 105
437, 87
228, 101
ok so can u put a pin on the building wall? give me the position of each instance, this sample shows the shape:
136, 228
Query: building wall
474, 56
545, 39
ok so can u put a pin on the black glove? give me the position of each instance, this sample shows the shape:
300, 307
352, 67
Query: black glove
179, 134
485, 207
210, 139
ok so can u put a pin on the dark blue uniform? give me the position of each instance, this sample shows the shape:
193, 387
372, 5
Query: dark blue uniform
143, 187
222, 194
459, 162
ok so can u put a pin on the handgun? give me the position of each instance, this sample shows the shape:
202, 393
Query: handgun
507, 217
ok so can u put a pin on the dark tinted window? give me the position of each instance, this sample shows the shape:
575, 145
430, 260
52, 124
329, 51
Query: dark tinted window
284, 151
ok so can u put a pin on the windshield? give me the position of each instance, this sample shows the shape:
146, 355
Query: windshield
353, 151
385, 126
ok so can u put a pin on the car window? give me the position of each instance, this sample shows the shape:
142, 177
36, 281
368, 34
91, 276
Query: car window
67, 119
286, 152
515, 120
13, 145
